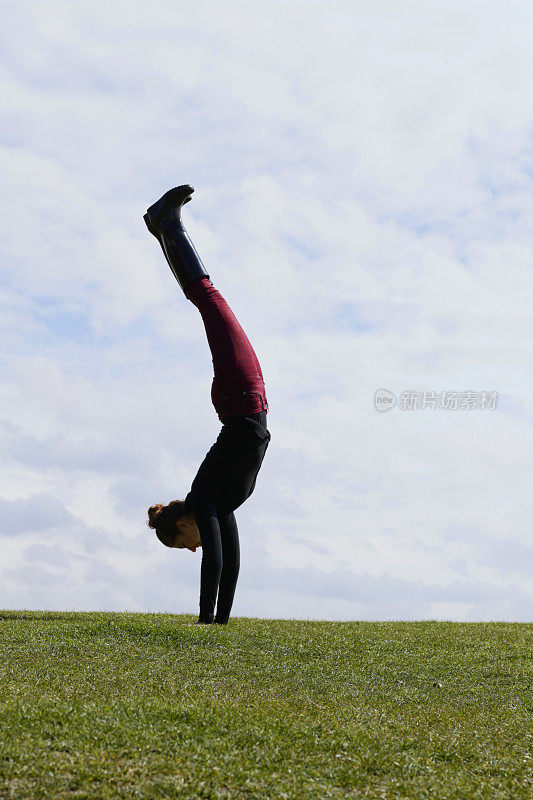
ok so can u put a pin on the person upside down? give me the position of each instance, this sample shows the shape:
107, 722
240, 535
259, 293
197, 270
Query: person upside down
228, 473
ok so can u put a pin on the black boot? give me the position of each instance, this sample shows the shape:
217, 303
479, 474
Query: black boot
163, 219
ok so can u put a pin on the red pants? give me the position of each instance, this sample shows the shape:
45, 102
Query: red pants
238, 386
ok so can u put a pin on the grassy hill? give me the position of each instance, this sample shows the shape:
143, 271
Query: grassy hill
108, 705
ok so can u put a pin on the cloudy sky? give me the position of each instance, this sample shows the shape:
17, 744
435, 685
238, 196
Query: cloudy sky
363, 175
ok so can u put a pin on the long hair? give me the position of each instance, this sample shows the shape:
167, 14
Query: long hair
164, 518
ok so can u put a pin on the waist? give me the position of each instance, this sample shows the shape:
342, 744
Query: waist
260, 417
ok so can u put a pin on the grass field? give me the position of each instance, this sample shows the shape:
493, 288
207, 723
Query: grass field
109, 705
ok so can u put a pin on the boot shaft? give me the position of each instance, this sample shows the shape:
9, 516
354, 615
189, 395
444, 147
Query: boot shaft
163, 220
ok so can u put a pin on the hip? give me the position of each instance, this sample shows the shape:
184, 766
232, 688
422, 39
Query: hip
238, 396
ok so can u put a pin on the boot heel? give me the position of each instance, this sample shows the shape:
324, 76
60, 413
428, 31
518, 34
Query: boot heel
149, 226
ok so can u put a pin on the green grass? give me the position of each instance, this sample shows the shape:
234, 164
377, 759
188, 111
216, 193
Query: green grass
105, 705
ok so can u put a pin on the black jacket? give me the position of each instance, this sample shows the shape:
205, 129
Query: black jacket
225, 479
229, 471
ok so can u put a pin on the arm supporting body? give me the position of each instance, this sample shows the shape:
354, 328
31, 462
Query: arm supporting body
220, 560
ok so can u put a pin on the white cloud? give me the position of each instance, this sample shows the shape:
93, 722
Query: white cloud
364, 203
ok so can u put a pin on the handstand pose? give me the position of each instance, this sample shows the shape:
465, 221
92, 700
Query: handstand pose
227, 475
